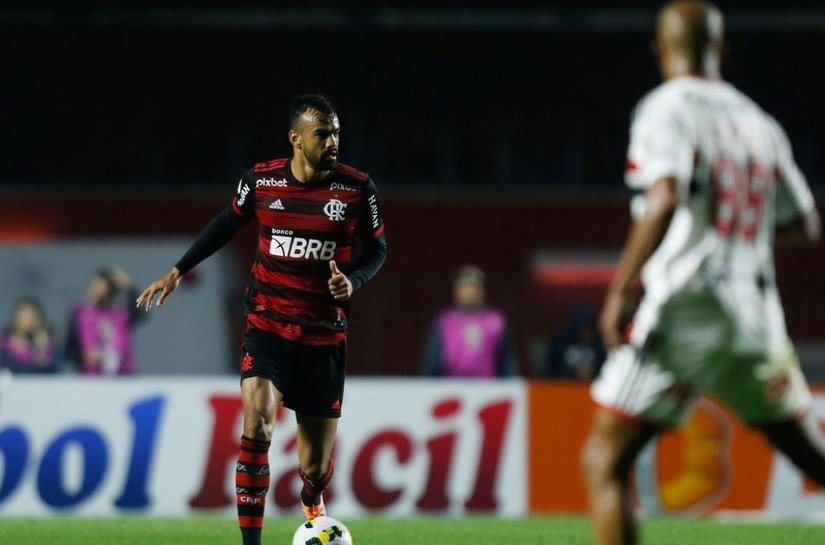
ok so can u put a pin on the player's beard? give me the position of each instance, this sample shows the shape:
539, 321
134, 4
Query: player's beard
322, 161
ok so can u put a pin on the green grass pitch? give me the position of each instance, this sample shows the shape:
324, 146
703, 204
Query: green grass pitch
386, 531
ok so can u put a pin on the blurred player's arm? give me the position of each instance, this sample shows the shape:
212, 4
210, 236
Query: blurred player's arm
213, 237
645, 235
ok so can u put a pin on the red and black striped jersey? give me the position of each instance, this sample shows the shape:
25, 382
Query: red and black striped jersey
302, 226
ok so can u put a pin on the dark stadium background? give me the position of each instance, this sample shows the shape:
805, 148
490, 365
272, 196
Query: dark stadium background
493, 129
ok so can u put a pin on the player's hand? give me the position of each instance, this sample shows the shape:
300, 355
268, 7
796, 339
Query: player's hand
164, 285
614, 318
339, 285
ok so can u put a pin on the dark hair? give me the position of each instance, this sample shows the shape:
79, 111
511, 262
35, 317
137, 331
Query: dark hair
303, 103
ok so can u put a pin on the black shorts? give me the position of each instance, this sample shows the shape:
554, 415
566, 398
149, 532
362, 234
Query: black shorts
311, 377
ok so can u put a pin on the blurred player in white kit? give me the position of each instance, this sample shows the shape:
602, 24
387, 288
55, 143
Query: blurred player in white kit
718, 186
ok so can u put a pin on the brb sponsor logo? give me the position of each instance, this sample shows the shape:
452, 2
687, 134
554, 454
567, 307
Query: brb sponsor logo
270, 182
285, 245
58, 486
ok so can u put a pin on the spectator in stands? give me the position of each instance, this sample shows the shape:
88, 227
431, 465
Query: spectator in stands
469, 338
28, 344
576, 352
99, 338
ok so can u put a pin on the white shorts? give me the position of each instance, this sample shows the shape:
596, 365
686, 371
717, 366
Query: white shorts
699, 346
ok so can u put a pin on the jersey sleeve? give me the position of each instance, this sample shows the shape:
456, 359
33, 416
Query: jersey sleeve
370, 230
370, 223
660, 144
243, 203
793, 195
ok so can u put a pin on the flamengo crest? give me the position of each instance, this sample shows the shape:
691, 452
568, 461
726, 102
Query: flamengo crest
334, 210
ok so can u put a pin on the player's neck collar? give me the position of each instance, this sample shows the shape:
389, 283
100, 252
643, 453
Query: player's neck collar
294, 179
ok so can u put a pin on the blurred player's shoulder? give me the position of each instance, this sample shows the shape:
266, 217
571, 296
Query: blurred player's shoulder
351, 173
267, 166
667, 96
678, 97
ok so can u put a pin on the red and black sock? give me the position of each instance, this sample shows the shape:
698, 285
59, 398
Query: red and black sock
251, 486
311, 492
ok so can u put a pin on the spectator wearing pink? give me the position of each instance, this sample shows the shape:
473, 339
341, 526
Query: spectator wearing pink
27, 343
470, 339
100, 339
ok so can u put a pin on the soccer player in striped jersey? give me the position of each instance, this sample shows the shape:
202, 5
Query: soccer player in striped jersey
310, 211
719, 185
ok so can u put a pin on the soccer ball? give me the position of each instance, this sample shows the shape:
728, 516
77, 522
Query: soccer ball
322, 531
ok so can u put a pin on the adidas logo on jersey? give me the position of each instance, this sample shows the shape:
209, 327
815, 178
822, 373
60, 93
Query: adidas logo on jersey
277, 205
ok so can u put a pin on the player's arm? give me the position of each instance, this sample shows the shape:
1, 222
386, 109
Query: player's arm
370, 231
660, 162
645, 236
213, 237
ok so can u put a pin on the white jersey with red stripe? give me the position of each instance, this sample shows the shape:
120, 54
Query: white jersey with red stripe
736, 180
